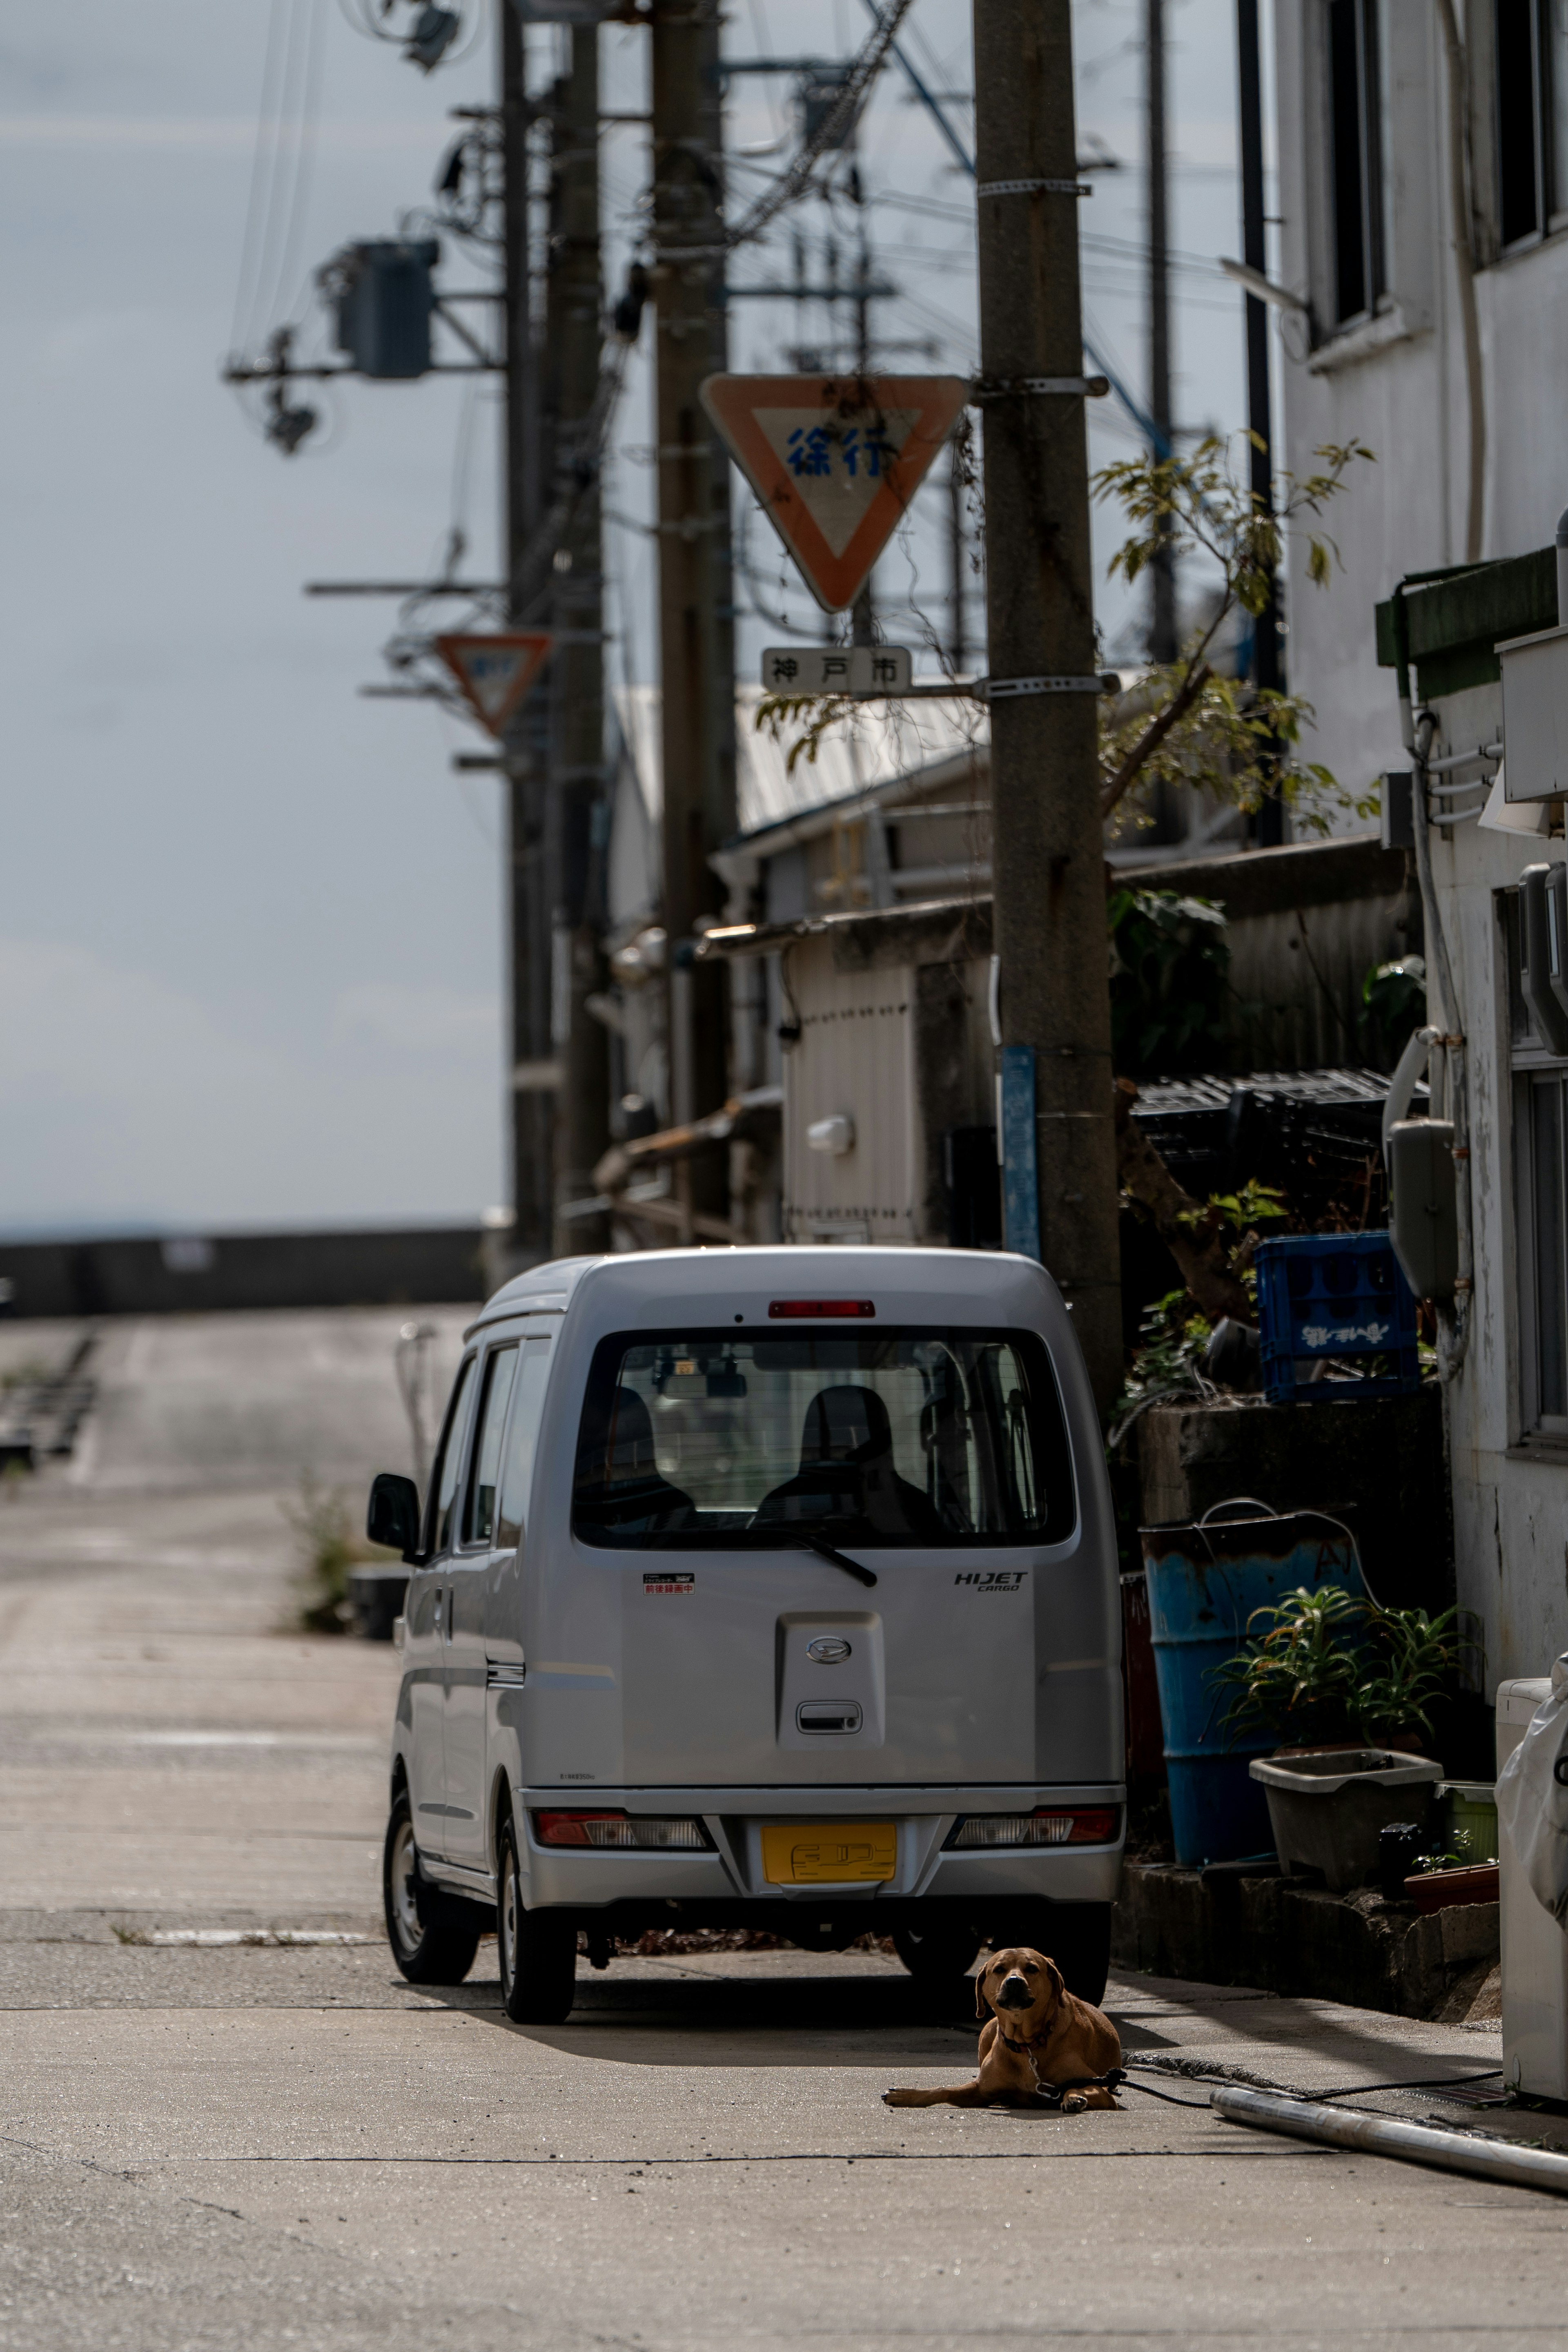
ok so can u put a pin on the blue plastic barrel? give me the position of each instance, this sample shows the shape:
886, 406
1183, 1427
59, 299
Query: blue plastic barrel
1205, 1581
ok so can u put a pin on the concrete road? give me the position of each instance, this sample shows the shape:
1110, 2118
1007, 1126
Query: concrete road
216, 2145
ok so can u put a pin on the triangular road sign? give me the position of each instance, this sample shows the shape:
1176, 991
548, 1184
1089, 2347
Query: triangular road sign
495, 671
834, 461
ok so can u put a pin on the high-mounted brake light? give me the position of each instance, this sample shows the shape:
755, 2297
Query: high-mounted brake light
811, 1309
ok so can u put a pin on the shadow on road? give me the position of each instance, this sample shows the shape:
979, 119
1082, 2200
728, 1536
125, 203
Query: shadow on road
760, 2021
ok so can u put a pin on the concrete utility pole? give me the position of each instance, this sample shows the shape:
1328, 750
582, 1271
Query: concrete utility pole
574, 313
696, 630
959, 558
529, 896
1163, 631
1268, 669
1047, 857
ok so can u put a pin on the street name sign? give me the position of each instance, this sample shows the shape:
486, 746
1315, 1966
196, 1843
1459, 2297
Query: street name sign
495, 671
834, 461
860, 670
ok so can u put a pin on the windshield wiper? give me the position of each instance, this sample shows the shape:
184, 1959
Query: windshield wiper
823, 1549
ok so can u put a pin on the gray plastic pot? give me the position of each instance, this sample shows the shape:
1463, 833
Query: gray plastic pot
1328, 1806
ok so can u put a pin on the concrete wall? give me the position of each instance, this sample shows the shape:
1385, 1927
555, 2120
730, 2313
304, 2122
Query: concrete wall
200, 1273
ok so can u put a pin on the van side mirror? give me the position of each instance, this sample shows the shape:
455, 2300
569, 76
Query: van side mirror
393, 1518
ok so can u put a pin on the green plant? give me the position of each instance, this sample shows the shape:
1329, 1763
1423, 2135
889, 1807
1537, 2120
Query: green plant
1182, 725
1172, 1336
1393, 1006
1170, 965
1216, 732
1327, 1664
1298, 1677
1458, 1856
1417, 1662
1251, 1205
328, 1548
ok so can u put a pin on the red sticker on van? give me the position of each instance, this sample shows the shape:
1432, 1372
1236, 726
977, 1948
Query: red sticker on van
667, 1580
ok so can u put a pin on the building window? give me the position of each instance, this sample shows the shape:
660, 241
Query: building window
1544, 1254
1355, 157
1541, 1187
1524, 40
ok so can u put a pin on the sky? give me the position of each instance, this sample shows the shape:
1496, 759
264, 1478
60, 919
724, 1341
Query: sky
250, 920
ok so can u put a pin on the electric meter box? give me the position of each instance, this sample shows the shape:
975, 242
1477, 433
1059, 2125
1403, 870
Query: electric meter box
1422, 1214
1535, 715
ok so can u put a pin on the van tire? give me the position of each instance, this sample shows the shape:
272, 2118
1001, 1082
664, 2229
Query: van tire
433, 1936
1077, 1936
535, 1951
939, 1956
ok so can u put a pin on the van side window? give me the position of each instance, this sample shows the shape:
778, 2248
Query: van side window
521, 1440
448, 1461
479, 1503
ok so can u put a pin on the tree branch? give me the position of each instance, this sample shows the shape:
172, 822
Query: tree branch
1178, 1217
1116, 788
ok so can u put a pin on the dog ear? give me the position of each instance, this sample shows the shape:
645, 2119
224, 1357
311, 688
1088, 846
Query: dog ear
982, 2006
1059, 1982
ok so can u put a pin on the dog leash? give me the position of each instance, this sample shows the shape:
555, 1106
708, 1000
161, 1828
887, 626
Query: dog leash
1054, 2093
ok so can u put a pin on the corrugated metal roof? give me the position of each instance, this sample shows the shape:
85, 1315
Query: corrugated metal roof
873, 746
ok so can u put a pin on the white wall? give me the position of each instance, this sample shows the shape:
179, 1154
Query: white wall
1399, 384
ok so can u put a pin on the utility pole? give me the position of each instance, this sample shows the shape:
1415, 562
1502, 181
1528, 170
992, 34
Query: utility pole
959, 556
529, 898
862, 619
1048, 858
696, 629
575, 311
1163, 634
1268, 669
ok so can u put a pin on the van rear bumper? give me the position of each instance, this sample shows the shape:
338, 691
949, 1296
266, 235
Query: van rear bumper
731, 1873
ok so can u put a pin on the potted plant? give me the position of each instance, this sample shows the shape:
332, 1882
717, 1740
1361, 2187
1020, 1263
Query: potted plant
1348, 1687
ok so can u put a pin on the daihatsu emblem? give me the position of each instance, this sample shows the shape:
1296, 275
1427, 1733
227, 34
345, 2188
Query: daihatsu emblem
828, 1650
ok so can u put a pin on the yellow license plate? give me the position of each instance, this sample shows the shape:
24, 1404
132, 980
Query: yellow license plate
825, 1853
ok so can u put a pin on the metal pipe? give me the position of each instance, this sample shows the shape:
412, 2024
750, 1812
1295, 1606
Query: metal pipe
1469, 758
1453, 1323
1374, 2135
1465, 270
1402, 1085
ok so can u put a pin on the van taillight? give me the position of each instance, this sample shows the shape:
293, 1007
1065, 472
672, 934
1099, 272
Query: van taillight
610, 1832
1075, 1825
784, 1309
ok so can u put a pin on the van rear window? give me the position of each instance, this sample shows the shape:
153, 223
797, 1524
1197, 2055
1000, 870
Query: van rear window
707, 1440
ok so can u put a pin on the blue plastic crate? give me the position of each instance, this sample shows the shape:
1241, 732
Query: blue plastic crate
1339, 1294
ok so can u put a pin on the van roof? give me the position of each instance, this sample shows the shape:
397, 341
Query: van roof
793, 1269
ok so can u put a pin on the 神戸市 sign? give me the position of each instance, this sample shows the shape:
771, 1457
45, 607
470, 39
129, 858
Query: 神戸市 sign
864, 671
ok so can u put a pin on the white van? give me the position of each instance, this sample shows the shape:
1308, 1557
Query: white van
770, 1587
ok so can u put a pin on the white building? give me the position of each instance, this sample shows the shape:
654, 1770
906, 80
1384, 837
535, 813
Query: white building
1378, 255
1379, 354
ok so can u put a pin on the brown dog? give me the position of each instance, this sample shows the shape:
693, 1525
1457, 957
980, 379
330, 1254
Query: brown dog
1039, 2035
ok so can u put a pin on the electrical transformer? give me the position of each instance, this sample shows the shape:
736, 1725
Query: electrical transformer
381, 294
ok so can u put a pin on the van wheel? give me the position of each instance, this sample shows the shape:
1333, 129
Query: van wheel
1077, 1936
937, 1957
538, 1949
433, 1937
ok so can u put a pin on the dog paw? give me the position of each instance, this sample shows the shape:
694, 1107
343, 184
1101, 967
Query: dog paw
901, 2098
1073, 2104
